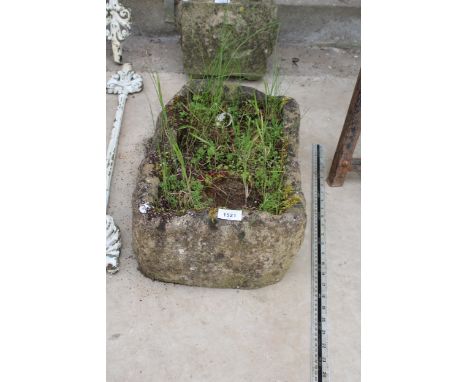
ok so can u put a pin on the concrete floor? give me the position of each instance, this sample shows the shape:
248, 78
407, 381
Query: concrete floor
318, 22
172, 333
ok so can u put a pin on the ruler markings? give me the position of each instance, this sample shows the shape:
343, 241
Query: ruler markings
320, 372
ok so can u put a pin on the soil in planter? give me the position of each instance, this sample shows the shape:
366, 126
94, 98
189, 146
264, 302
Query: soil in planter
221, 148
229, 192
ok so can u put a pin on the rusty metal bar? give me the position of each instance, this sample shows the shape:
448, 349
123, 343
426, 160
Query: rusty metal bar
343, 160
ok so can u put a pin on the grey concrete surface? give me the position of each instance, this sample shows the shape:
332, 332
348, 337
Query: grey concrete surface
317, 22
172, 333
320, 26
321, 3
163, 54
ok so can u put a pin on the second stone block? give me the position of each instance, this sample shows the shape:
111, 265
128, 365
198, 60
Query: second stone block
232, 38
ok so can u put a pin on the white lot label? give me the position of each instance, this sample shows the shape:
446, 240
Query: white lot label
229, 214
222, 1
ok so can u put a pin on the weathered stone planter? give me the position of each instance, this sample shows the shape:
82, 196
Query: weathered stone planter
250, 22
199, 249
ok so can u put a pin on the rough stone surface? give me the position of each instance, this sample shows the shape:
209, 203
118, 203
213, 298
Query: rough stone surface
200, 250
252, 25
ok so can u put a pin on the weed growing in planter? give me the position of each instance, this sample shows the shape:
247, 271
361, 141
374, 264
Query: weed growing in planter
219, 147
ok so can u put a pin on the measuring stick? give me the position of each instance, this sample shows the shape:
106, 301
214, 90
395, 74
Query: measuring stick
320, 369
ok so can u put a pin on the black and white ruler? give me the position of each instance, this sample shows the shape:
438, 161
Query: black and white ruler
320, 366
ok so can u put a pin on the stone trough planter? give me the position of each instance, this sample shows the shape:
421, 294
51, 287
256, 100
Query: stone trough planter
252, 27
199, 249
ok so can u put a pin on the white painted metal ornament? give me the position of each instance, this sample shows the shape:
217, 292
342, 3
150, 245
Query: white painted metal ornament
117, 26
113, 245
125, 82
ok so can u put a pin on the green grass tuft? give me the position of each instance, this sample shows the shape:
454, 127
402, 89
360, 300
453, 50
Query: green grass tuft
199, 154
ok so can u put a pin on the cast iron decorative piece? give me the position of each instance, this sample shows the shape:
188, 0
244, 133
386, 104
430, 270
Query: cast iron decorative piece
117, 26
125, 82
